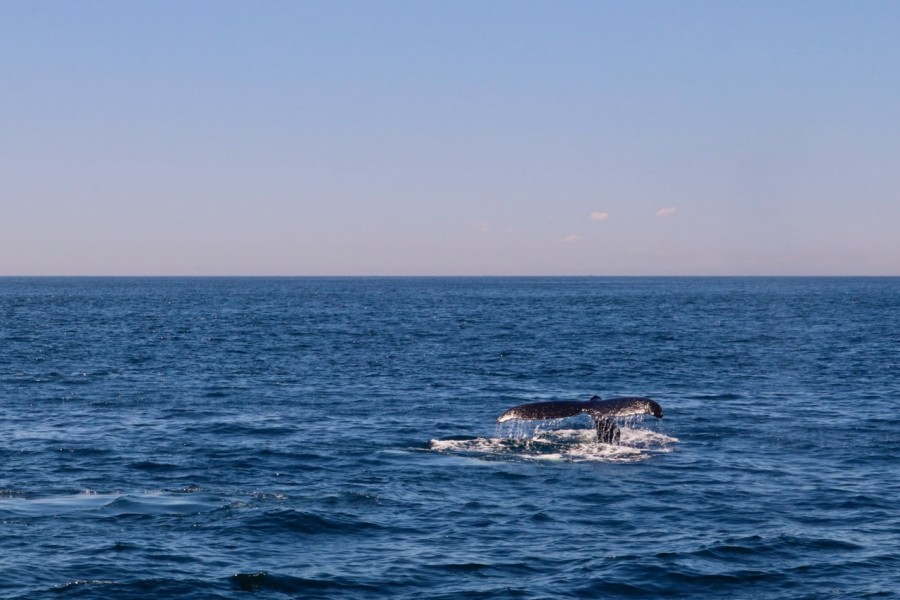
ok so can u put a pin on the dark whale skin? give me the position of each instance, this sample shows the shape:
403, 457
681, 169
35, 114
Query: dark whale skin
595, 407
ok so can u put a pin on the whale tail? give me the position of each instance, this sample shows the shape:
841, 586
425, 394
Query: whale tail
601, 411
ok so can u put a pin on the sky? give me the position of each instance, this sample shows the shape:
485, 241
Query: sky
430, 137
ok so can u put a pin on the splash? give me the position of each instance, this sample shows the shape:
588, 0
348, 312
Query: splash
556, 440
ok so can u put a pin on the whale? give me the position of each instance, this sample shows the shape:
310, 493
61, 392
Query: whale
601, 411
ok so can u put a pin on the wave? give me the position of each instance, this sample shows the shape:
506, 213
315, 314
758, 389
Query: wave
264, 581
107, 505
142, 588
279, 521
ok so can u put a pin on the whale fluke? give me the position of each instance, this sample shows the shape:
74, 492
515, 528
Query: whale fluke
599, 410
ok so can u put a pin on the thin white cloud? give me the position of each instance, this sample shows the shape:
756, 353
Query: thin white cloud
481, 226
666, 212
571, 238
598, 215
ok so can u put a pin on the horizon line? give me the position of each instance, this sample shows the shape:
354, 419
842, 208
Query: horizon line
420, 276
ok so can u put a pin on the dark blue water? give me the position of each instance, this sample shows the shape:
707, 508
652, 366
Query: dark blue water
336, 438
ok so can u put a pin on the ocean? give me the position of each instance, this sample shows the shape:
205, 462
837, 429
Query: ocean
337, 438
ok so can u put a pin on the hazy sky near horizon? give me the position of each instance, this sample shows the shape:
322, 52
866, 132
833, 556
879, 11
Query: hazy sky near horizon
449, 137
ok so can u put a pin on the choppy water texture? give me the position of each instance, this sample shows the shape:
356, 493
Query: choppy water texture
336, 438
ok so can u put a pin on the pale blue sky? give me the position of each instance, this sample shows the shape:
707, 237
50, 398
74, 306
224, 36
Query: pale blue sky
449, 138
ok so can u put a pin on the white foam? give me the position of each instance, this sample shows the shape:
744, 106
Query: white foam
566, 445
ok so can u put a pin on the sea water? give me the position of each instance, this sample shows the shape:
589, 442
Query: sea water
337, 438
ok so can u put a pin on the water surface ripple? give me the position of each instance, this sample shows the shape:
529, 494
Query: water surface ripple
336, 438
